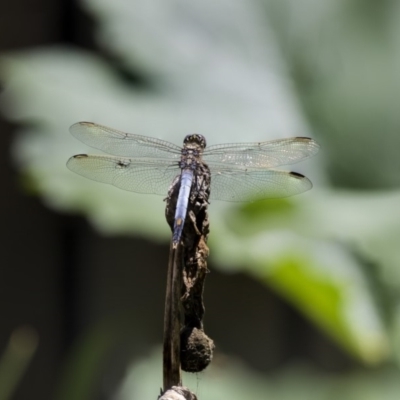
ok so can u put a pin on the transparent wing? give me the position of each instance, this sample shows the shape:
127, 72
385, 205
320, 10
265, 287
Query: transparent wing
250, 184
136, 175
119, 143
263, 154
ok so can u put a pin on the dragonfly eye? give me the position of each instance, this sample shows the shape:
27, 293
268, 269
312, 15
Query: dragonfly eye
195, 138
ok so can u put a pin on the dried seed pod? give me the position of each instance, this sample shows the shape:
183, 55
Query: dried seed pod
196, 349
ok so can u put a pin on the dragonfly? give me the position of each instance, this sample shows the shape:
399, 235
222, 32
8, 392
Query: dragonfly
239, 171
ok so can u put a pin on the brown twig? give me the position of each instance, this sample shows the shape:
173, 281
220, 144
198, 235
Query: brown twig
185, 344
172, 320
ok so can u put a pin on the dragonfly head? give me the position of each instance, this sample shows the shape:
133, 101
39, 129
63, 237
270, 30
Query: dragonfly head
195, 138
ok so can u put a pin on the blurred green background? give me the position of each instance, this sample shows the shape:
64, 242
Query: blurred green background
303, 296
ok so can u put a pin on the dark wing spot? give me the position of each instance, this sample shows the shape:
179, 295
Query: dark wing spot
81, 156
296, 174
122, 164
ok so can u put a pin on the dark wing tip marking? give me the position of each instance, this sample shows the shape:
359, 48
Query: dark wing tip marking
296, 174
76, 129
74, 126
303, 179
80, 156
314, 146
77, 156
307, 139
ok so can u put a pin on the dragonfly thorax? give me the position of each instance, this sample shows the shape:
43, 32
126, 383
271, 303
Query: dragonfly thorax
193, 146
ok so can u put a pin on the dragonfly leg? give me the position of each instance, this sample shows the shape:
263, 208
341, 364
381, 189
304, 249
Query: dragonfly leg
193, 218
